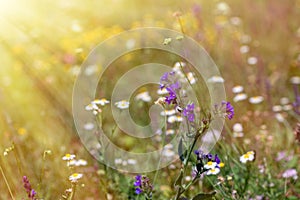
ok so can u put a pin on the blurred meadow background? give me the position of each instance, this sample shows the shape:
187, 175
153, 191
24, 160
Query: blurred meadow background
255, 44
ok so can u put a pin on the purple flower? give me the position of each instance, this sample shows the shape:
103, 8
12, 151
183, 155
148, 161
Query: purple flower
209, 156
164, 77
229, 109
189, 112
175, 86
217, 159
138, 190
172, 96
142, 185
290, 173
30, 192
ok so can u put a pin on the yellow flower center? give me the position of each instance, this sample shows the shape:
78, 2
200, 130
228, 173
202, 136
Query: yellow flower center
209, 163
221, 164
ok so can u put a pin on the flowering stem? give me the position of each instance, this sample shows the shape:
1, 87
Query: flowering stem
6, 182
73, 191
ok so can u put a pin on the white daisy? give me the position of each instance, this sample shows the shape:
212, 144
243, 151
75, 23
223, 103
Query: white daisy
168, 112
256, 99
177, 66
215, 79
162, 91
131, 161
118, 161
75, 177
295, 80
287, 107
80, 162
252, 60
240, 97
91, 106
249, 156
170, 132
277, 108
284, 101
101, 102
237, 89
235, 21
213, 171
210, 165
88, 126
237, 127
122, 104
68, 157
172, 119
244, 49
144, 96
191, 78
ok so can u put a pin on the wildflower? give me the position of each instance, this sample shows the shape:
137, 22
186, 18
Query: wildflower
256, 99
101, 102
122, 104
215, 79
238, 130
88, 126
162, 91
172, 119
229, 109
237, 127
80, 162
222, 8
131, 161
277, 108
144, 96
191, 77
170, 132
168, 112
295, 80
249, 156
237, 89
172, 96
167, 41
75, 177
93, 107
142, 185
160, 101
235, 21
189, 112
284, 101
213, 171
68, 157
177, 67
30, 192
279, 117
210, 165
22, 131
244, 49
252, 60
290, 173
240, 97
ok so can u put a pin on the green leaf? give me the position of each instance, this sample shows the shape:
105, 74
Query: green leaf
203, 196
292, 198
179, 179
180, 150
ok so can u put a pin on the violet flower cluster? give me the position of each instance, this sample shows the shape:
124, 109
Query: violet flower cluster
171, 87
30, 192
143, 185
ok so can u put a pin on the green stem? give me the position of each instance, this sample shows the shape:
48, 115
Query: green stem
6, 182
73, 191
